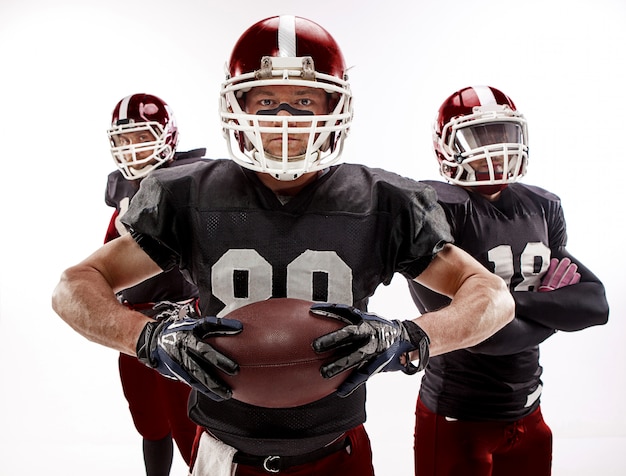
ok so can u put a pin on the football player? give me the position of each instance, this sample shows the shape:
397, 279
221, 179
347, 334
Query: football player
283, 219
478, 411
144, 137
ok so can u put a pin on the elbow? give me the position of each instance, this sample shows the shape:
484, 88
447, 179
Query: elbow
58, 292
596, 307
505, 304
598, 316
601, 316
590, 309
498, 311
66, 294
502, 306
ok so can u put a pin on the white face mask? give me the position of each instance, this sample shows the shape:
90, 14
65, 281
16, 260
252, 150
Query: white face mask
323, 134
131, 158
487, 148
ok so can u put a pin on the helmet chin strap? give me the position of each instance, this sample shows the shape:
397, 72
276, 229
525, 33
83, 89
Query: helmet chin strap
287, 174
275, 158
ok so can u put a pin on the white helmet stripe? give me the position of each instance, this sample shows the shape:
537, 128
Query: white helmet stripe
124, 108
287, 36
485, 95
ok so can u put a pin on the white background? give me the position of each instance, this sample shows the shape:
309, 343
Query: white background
64, 65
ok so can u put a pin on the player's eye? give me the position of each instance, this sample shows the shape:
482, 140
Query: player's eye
306, 102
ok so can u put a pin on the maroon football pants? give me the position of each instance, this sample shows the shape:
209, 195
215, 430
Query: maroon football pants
157, 404
471, 448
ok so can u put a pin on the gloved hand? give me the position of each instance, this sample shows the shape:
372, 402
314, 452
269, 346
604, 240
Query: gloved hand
560, 273
174, 345
369, 344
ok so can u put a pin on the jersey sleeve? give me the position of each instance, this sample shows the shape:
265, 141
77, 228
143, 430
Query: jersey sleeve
455, 202
557, 230
153, 216
113, 180
517, 336
430, 231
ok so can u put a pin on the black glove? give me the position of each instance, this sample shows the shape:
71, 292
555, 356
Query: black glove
174, 345
369, 343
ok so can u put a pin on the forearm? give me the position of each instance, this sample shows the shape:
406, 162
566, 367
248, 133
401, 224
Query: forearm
517, 336
480, 308
571, 308
84, 300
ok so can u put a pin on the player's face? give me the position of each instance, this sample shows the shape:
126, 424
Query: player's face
481, 165
483, 135
128, 139
286, 101
493, 136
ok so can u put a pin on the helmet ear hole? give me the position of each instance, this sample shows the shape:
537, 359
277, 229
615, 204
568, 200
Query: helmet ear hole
166, 153
245, 145
329, 144
240, 140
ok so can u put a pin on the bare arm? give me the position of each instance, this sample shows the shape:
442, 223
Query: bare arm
85, 295
481, 303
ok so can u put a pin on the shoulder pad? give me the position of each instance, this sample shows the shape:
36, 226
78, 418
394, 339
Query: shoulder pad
536, 191
115, 183
448, 193
190, 154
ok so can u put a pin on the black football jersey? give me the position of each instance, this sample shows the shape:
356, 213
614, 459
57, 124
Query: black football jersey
336, 241
169, 286
514, 237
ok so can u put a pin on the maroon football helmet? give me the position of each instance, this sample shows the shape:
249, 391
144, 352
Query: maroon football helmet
480, 139
143, 135
286, 50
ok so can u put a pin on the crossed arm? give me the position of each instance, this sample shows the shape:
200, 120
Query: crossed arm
570, 308
573, 306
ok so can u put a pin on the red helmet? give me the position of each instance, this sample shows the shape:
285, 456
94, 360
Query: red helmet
150, 115
286, 50
480, 139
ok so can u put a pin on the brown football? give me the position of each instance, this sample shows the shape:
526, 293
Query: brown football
278, 366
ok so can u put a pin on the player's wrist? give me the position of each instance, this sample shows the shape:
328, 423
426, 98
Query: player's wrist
144, 348
421, 346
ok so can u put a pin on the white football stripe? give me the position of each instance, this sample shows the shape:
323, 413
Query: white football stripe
287, 36
124, 107
485, 95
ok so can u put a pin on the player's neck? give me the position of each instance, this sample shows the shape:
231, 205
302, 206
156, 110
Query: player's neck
493, 197
287, 187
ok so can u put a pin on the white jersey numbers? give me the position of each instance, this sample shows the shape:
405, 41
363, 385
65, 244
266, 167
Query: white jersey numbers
533, 263
320, 276
123, 208
314, 276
